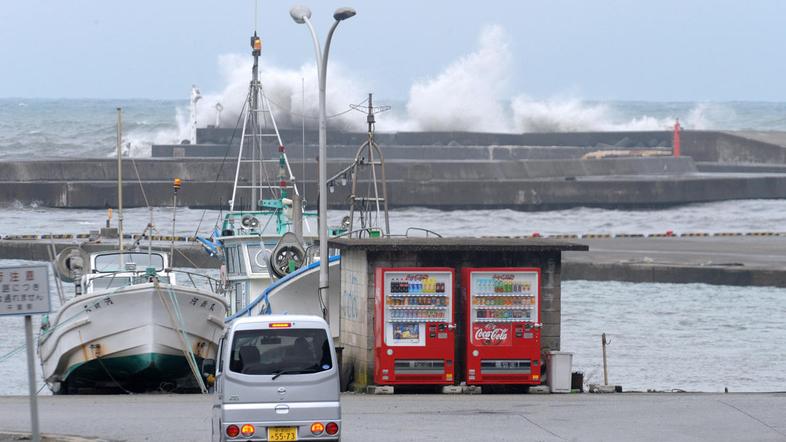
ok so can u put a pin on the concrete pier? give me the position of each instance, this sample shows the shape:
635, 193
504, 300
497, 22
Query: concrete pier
729, 259
584, 417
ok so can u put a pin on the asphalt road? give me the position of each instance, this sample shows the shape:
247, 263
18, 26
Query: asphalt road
579, 417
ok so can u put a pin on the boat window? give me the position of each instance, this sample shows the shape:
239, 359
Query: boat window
109, 282
120, 262
258, 257
240, 259
230, 261
280, 350
235, 263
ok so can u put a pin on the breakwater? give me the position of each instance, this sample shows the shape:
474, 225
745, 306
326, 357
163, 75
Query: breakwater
439, 170
739, 259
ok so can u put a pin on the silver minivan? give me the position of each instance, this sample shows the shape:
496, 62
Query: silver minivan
276, 379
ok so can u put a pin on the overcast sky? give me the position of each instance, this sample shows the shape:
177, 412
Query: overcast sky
667, 50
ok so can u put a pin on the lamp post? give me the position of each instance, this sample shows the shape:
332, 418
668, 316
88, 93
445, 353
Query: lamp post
301, 14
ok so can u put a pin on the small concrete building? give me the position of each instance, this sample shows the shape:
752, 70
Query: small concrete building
361, 257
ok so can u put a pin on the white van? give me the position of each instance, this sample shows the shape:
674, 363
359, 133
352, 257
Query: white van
276, 379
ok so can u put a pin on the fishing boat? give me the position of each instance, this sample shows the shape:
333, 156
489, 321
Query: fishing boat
134, 323
267, 236
271, 262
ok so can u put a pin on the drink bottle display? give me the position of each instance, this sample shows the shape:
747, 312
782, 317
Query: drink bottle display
502, 325
413, 326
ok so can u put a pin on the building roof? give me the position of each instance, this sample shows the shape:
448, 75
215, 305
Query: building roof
523, 244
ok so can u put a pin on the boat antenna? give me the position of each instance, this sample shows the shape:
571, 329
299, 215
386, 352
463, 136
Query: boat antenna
120, 177
369, 156
175, 186
303, 131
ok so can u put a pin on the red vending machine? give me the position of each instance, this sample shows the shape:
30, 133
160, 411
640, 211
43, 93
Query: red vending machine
503, 328
414, 327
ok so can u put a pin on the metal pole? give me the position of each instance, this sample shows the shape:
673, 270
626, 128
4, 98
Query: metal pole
31, 378
605, 367
172, 246
120, 177
323, 240
297, 215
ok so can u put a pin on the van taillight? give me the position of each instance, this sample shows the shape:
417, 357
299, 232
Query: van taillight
331, 428
233, 431
247, 430
317, 428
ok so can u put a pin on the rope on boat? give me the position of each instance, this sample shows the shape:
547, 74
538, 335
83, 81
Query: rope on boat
177, 323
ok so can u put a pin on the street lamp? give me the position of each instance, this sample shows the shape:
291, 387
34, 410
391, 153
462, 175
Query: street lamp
301, 14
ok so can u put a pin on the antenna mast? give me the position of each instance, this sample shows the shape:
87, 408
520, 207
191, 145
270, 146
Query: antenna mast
369, 155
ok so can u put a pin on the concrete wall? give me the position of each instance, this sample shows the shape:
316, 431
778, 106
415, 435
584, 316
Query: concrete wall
358, 298
716, 146
292, 137
210, 170
516, 194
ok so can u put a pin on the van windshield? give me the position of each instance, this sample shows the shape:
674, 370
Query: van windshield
280, 351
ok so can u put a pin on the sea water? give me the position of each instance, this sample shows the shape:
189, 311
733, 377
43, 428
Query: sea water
693, 337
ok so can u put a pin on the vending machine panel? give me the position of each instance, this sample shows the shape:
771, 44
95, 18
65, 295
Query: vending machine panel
503, 325
414, 326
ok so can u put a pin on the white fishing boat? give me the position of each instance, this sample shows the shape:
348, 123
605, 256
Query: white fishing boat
135, 324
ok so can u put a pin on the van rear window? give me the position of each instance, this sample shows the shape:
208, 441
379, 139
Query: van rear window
280, 351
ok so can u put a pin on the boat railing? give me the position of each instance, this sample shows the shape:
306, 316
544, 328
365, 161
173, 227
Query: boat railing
196, 280
420, 229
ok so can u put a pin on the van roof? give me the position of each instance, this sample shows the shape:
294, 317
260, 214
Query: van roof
266, 319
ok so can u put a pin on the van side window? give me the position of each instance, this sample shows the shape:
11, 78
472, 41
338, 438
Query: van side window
277, 350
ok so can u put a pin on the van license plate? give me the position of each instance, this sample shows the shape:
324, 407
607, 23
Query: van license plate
276, 434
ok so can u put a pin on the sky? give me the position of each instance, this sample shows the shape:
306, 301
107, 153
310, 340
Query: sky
667, 50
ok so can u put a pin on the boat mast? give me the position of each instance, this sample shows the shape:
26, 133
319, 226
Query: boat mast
257, 103
120, 177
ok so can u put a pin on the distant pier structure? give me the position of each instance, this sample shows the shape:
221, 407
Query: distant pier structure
443, 170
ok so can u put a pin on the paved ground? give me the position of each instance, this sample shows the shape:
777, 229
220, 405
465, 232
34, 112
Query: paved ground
751, 251
580, 417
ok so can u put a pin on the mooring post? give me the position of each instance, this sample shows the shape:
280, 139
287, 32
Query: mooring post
605, 366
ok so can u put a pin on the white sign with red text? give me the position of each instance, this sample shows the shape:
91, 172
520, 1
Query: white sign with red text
24, 290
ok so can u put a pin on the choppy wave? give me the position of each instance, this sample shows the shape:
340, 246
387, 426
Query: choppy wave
473, 93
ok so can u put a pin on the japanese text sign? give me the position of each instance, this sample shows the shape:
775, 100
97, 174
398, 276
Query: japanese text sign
24, 290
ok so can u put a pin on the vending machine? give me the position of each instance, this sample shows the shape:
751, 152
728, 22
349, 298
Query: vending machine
414, 326
503, 325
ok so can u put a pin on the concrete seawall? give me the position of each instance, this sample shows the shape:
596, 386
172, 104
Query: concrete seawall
445, 170
613, 192
744, 260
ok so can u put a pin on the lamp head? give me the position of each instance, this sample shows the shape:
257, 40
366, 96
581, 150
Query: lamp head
344, 13
300, 13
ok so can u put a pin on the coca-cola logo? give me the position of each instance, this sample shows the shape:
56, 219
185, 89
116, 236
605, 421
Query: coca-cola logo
491, 334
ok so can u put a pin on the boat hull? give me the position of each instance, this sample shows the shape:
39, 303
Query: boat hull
132, 338
298, 293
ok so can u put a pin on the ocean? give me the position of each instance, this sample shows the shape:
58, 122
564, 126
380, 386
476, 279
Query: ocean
35, 128
692, 337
